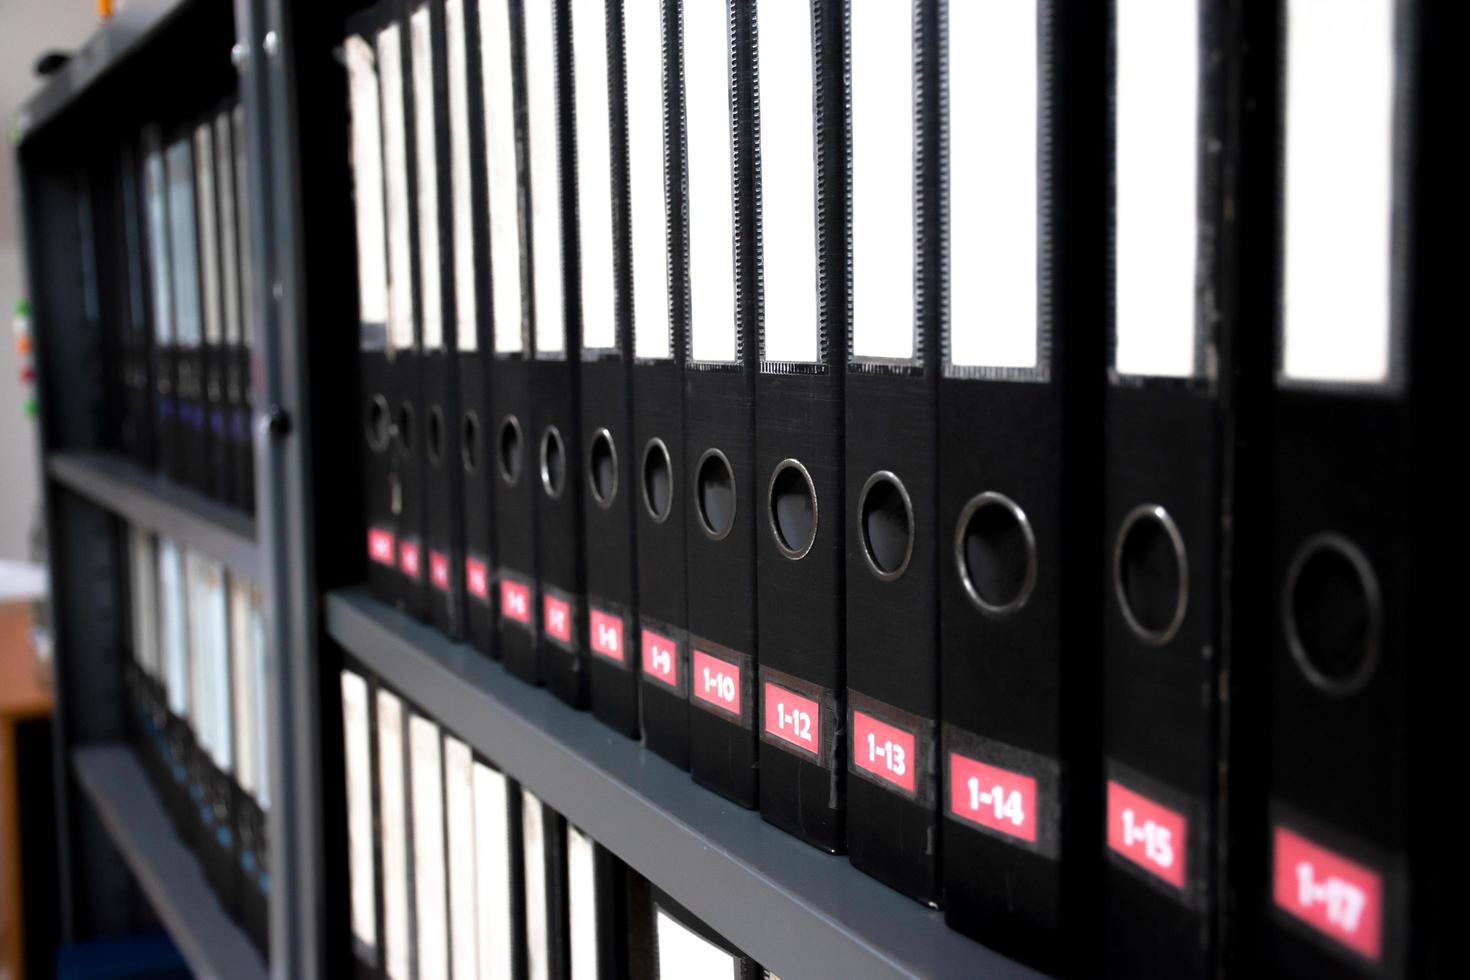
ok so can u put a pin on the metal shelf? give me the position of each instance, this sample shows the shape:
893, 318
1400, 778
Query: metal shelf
796, 910
162, 506
213, 945
117, 38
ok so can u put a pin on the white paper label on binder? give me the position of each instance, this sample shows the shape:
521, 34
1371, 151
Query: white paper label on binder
788, 182
546, 281
1157, 141
260, 664
582, 902
217, 629
711, 183
395, 171
428, 850
492, 872
1338, 198
594, 174
883, 323
367, 176
459, 812
242, 665
500, 169
183, 244
157, 204
358, 762
175, 640
993, 184
683, 953
426, 149
466, 314
643, 45
533, 842
224, 155
394, 845
208, 229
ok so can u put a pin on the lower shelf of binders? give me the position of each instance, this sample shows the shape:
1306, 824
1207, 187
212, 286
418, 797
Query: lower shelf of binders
114, 781
794, 909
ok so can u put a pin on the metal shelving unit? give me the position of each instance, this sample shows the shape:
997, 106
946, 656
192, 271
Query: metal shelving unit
115, 783
796, 910
158, 505
801, 912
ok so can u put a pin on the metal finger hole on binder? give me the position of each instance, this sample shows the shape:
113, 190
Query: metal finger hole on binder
553, 463
714, 494
658, 480
1333, 614
509, 457
602, 468
880, 503
1147, 541
793, 508
995, 552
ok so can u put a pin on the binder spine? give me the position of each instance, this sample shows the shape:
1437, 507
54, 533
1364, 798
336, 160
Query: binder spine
892, 574
609, 500
801, 537
514, 512
657, 461
444, 510
1018, 535
473, 362
240, 370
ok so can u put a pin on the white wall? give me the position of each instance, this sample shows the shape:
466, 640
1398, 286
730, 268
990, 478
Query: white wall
27, 28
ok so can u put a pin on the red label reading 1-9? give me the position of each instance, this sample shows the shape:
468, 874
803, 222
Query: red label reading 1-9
439, 570
992, 797
1339, 898
716, 682
659, 661
605, 634
408, 558
884, 751
556, 618
476, 578
515, 601
793, 718
380, 546
1149, 834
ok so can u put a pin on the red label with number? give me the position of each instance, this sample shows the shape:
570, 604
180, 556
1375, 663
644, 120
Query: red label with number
1149, 834
380, 546
408, 558
793, 718
1339, 898
439, 570
556, 618
884, 751
605, 634
660, 658
515, 601
476, 578
992, 797
716, 682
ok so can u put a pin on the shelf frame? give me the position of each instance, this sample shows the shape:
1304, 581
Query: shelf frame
115, 783
150, 501
798, 911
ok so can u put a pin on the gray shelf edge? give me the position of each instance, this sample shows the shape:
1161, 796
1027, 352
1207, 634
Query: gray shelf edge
115, 39
798, 911
212, 944
163, 507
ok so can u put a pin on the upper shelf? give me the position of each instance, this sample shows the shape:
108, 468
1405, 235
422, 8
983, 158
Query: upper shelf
163, 507
113, 779
114, 40
798, 911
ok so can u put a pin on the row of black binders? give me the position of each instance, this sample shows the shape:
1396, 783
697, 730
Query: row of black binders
178, 386
458, 871
976, 434
197, 678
